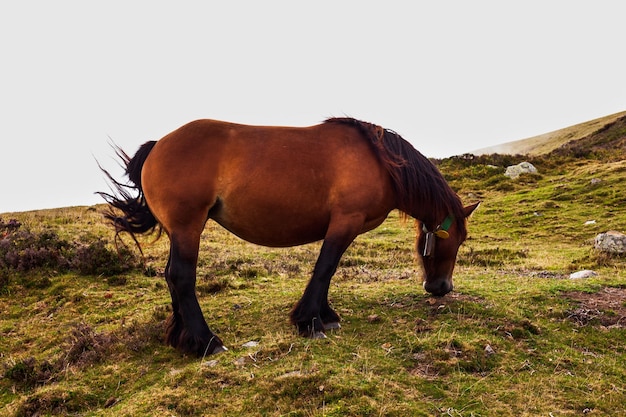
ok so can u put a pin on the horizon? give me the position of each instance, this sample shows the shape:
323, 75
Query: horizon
102, 201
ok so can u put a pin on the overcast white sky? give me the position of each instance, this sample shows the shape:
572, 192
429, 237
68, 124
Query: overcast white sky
449, 76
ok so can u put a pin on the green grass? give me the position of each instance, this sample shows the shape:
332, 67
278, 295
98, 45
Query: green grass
517, 337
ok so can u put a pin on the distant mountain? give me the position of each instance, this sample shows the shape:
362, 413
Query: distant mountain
566, 138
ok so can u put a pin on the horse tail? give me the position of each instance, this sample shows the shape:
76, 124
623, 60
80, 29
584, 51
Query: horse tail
136, 217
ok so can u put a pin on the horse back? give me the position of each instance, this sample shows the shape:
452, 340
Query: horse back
288, 178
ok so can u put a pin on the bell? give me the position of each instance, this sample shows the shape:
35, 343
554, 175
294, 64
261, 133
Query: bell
429, 244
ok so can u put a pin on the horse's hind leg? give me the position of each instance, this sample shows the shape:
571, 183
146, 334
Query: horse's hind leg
187, 329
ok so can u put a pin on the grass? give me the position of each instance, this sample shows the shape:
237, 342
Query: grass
517, 337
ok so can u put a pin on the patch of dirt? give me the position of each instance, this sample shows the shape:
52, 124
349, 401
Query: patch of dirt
433, 305
606, 307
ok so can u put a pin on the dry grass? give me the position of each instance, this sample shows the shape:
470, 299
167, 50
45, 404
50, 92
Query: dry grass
517, 337
545, 143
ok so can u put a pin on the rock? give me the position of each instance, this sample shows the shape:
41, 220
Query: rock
291, 374
585, 273
590, 222
110, 402
611, 241
515, 171
373, 318
250, 344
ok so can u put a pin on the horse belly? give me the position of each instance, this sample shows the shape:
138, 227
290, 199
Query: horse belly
271, 220
291, 198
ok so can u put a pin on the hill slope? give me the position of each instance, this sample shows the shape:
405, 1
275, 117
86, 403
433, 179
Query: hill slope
546, 143
517, 336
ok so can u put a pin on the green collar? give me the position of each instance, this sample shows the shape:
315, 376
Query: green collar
441, 231
447, 223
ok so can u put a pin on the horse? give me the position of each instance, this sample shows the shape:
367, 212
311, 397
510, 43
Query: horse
280, 187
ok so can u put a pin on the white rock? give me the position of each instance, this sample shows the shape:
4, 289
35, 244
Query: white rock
585, 273
514, 171
611, 241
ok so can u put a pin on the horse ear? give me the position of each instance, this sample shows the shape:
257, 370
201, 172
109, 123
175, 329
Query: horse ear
470, 209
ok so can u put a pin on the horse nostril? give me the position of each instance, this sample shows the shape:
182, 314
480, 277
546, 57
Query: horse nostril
438, 288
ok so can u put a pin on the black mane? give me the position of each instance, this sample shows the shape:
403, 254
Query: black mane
421, 190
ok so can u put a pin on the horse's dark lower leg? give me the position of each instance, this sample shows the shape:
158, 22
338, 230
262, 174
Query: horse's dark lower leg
313, 314
186, 328
174, 324
329, 317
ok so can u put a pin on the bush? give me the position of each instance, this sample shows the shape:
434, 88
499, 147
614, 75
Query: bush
95, 258
23, 251
28, 373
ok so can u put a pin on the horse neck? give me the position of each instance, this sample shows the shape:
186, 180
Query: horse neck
432, 213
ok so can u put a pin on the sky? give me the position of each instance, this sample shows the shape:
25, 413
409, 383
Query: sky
449, 76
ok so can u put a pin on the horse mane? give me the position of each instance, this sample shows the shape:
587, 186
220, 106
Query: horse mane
421, 190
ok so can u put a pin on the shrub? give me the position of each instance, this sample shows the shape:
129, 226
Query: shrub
28, 373
22, 250
95, 258
85, 346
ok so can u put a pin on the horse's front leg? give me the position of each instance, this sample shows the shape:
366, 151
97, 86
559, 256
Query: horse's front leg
187, 330
313, 314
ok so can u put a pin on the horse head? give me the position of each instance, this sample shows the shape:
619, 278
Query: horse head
437, 246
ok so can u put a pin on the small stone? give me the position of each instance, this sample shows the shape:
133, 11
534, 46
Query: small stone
110, 402
585, 273
373, 318
489, 350
250, 344
291, 374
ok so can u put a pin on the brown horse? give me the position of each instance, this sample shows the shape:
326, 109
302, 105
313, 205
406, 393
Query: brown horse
283, 186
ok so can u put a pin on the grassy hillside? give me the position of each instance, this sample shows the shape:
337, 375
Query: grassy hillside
548, 142
517, 337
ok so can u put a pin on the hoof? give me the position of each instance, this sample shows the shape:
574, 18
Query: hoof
318, 335
332, 326
214, 347
218, 349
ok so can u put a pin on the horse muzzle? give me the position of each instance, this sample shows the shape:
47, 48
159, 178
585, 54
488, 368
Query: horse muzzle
439, 287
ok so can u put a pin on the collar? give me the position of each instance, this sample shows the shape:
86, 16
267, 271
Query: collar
440, 231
